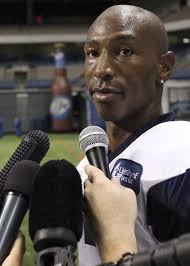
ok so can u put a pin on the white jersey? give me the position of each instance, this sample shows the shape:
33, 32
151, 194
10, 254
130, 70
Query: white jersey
155, 165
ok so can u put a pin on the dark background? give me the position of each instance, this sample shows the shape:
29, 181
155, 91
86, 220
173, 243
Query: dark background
34, 12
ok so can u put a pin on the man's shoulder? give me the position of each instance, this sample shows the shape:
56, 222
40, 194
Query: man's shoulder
172, 124
170, 130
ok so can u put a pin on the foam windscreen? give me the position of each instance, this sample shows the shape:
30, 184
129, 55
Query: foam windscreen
56, 199
21, 177
34, 146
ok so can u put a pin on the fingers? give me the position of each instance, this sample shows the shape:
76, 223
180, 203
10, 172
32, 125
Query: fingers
94, 174
86, 182
18, 247
16, 255
115, 180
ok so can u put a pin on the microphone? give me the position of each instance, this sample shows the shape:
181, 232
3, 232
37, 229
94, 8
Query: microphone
171, 253
17, 192
94, 143
33, 146
55, 213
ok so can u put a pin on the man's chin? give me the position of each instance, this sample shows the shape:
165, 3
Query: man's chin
108, 113
107, 117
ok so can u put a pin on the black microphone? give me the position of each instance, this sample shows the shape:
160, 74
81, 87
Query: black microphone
33, 146
171, 253
94, 143
55, 213
17, 192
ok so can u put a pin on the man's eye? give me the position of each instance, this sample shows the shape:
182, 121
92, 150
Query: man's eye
92, 53
126, 51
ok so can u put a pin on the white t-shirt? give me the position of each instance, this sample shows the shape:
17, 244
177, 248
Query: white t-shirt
153, 165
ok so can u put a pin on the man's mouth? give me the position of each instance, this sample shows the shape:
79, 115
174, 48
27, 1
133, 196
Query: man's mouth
105, 90
104, 94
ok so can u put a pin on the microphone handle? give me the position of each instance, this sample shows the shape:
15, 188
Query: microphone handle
171, 253
97, 156
55, 246
14, 209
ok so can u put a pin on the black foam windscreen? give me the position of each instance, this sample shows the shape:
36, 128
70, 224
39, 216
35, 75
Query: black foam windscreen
21, 177
34, 146
56, 199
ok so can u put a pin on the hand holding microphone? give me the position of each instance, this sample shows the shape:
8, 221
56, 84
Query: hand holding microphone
112, 221
112, 212
94, 143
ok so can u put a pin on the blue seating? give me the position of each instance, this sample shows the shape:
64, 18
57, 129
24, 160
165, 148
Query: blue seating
181, 74
5, 85
40, 83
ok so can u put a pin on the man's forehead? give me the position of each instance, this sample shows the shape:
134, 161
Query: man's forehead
117, 32
113, 25
141, 24
114, 36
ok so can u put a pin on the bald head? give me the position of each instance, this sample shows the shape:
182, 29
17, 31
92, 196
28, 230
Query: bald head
132, 18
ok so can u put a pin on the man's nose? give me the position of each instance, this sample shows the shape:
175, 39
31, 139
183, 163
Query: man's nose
104, 69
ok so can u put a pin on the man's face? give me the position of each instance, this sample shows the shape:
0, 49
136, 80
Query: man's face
121, 65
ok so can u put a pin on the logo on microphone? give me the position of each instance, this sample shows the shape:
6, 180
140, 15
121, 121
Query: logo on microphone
129, 173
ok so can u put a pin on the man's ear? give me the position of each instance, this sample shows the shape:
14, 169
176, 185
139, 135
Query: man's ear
166, 65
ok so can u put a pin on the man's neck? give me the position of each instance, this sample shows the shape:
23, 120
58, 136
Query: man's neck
119, 132
116, 135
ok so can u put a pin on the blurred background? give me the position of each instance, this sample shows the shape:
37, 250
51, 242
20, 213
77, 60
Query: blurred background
41, 72
41, 62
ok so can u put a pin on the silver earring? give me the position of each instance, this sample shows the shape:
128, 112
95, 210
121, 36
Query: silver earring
162, 81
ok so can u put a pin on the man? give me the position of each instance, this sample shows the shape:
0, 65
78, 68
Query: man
126, 64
